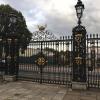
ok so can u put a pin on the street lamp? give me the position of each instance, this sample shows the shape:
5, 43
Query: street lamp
79, 10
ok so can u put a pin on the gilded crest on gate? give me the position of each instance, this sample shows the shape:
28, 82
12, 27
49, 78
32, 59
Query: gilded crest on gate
41, 60
78, 60
78, 38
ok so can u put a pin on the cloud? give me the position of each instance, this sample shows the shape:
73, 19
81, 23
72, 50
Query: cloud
2, 2
91, 17
59, 15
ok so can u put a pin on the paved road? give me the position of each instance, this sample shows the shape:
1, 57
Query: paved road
31, 91
24, 90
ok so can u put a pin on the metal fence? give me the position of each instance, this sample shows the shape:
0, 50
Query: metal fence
93, 60
50, 61
47, 61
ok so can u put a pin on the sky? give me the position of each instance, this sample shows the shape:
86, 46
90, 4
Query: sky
59, 15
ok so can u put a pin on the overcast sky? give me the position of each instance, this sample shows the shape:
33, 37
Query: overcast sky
59, 15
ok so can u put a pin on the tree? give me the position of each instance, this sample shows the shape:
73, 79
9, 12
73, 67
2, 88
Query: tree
19, 28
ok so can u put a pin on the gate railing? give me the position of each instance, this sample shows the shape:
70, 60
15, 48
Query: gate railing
49, 61
58, 56
93, 60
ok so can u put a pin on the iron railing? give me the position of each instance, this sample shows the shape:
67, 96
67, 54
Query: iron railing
50, 61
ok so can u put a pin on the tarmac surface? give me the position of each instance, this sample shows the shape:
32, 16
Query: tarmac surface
25, 90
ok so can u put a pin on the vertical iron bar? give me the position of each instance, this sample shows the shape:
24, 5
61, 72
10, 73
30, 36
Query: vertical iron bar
41, 70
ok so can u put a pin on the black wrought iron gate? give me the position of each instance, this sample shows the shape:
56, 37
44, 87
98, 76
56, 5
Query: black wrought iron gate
47, 62
51, 61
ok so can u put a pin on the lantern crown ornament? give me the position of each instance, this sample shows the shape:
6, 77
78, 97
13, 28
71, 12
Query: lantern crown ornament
79, 10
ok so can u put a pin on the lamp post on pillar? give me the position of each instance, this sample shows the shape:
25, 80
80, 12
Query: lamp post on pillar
79, 48
79, 10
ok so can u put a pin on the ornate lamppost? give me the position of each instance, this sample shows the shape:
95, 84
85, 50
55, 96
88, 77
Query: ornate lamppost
79, 47
79, 10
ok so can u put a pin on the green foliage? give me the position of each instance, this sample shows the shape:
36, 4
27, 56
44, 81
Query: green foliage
22, 32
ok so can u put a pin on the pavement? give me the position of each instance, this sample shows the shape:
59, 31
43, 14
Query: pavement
25, 90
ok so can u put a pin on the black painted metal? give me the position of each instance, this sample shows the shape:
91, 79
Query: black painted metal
79, 54
58, 56
79, 47
9, 52
59, 62
93, 60
79, 10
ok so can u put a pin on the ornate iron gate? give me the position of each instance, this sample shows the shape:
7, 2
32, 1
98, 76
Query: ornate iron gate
47, 62
51, 61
